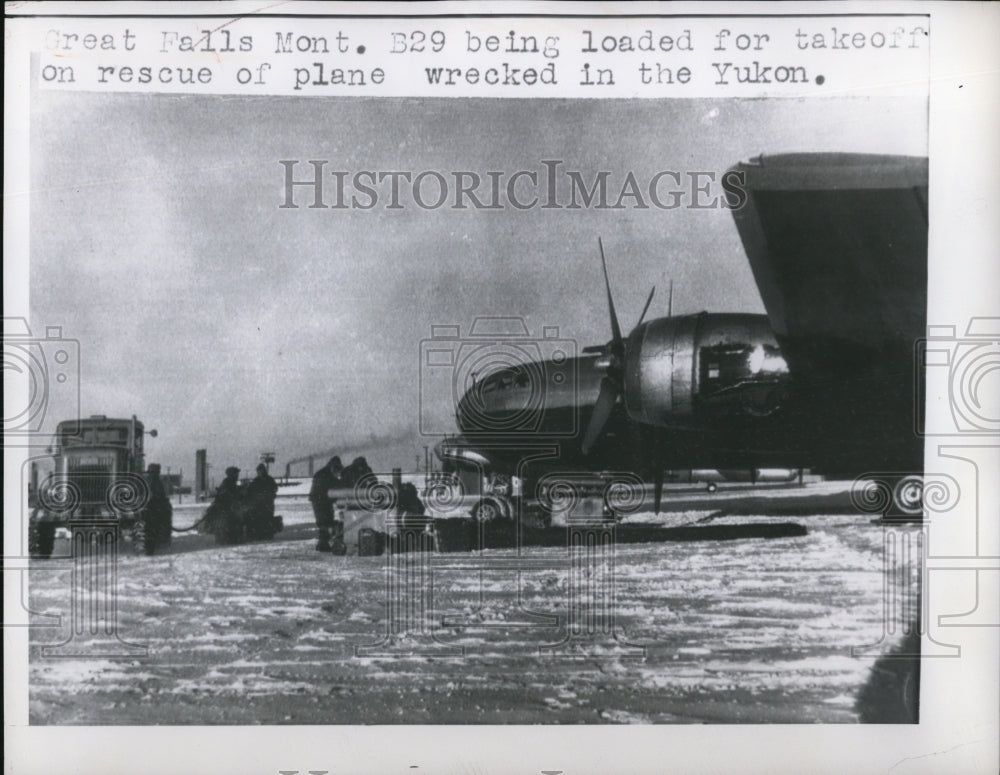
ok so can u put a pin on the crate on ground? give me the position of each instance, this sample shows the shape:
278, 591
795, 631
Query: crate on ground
371, 542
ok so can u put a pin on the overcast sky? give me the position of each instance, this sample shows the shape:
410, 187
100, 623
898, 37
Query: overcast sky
226, 322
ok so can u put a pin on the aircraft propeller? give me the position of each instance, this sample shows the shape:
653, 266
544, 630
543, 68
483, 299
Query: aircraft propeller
612, 383
617, 344
646, 308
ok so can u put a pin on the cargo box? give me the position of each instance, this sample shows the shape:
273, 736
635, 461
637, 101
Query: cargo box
371, 542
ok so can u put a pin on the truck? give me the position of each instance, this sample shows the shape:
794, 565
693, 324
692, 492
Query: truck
99, 474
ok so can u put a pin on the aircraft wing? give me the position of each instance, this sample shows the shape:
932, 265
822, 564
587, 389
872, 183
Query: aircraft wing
838, 244
838, 247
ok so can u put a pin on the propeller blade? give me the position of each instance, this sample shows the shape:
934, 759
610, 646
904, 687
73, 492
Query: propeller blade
606, 401
618, 344
646, 308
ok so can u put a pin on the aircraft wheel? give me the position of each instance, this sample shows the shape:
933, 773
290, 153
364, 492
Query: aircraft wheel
711, 487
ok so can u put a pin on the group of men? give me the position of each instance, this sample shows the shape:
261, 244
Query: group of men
244, 512
255, 503
333, 476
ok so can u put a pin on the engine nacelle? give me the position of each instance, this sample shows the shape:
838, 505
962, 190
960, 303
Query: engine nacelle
703, 367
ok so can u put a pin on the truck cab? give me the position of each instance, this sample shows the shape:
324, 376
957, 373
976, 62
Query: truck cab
98, 472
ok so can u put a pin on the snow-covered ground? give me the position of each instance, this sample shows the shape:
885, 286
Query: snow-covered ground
755, 630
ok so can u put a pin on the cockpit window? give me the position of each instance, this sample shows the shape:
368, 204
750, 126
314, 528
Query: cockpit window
504, 380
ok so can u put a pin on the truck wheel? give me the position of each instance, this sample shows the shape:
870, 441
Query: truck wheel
143, 536
41, 539
486, 511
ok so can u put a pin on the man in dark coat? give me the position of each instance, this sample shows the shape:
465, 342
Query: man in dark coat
226, 510
157, 492
157, 516
356, 471
260, 501
229, 492
329, 477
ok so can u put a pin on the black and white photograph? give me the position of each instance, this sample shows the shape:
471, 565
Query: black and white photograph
523, 369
